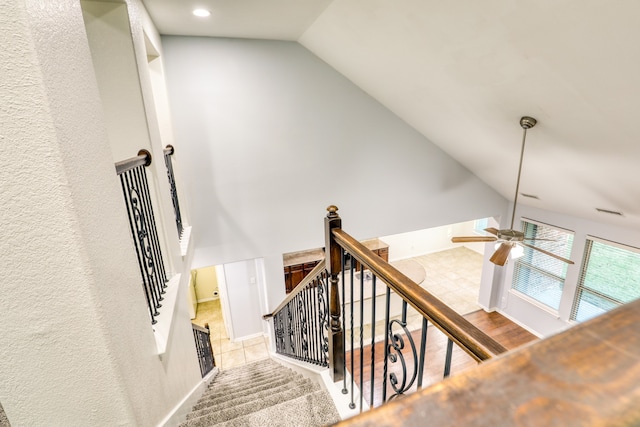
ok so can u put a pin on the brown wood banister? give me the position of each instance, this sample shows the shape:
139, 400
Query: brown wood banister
472, 340
308, 279
588, 375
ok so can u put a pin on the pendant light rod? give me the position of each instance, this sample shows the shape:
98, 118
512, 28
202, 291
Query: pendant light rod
526, 123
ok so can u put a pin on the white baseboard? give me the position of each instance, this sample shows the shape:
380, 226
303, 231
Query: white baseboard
179, 414
522, 325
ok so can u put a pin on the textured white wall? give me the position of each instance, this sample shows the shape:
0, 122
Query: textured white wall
272, 135
76, 344
55, 359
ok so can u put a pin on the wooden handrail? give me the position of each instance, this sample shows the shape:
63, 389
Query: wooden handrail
142, 159
471, 339
299, 288
588, 375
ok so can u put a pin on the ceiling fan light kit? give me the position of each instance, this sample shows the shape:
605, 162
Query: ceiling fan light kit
510, 241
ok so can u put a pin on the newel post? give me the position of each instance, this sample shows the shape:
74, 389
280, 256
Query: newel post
333, 256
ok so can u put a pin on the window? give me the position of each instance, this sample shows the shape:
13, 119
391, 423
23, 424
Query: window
610, 277
538, 275
479, 225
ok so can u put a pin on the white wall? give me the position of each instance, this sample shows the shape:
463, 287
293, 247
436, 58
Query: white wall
421, 242
242, 293
540, 320
77, 347
272, 135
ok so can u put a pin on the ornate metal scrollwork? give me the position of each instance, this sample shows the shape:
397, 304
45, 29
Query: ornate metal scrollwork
279, 332
395, 354
323, 314
304, 329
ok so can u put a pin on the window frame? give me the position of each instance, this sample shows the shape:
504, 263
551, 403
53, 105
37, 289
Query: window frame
519, 265
581, 288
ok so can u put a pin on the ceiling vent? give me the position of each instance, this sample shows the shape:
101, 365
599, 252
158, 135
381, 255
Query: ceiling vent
531, 196
607, 211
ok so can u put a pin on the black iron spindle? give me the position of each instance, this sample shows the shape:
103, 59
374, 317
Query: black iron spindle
373, 337
423, 347
386, 345
202, 338
137, 198
352, 404
447, 360
361, 335
168, 152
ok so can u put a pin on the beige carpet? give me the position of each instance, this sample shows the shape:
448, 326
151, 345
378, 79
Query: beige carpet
262, 394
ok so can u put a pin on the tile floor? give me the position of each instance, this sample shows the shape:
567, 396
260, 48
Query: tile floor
229, 354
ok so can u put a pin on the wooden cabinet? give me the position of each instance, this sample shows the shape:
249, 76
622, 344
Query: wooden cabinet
294, 274
297, 265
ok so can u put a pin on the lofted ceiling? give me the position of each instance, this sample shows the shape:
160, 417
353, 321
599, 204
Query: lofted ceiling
462, 73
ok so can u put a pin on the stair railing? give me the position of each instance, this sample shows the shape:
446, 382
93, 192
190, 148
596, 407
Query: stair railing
202, 338
377, 298
587, 375
380, 296
300, 322
137, 197
168, 152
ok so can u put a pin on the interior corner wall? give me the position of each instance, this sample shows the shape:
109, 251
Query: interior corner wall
272, 135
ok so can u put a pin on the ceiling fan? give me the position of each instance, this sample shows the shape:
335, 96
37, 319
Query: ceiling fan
510, 238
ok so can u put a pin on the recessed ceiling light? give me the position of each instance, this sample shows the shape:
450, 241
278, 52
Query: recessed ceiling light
201, 13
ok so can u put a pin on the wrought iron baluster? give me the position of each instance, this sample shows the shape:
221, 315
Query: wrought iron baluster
423, 347
168, 152
162, 275
397, 345
146, 236
344, 336
147, 293
352, 404
386, 345
140, 237
447, 360
373, 338
361, 335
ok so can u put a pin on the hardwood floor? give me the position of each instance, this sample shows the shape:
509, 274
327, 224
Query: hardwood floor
493, 324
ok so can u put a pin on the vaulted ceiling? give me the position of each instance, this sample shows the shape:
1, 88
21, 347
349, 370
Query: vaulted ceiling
462, 73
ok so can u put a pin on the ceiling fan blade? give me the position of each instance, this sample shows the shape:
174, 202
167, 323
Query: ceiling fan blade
568, 261
466, 239
492, 230
501, 255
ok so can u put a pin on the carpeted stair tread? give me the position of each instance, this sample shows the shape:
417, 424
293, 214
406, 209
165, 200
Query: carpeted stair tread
312, 410
242, 385
263, 393
253, 376
263, 390
229, 410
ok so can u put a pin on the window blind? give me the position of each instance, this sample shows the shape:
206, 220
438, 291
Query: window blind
610, 277
538, 275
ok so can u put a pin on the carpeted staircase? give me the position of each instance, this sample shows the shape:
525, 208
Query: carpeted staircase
262, 394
